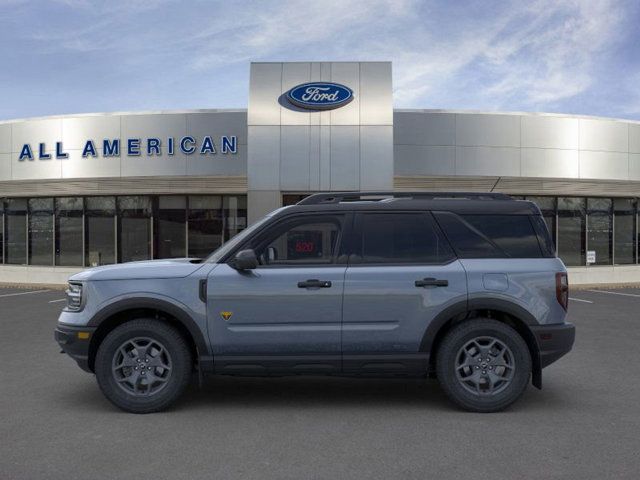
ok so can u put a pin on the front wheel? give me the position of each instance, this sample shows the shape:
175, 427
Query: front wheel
143, 366
483, 365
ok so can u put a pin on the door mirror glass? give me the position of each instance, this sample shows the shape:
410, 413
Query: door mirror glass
244, 260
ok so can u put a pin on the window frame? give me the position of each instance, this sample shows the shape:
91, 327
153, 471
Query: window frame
355, 250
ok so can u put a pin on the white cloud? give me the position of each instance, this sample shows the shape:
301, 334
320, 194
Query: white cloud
490, 55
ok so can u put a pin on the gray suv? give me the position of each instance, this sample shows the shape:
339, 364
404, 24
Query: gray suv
460, 286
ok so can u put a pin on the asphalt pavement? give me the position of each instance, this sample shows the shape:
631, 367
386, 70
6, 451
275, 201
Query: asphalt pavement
584, 424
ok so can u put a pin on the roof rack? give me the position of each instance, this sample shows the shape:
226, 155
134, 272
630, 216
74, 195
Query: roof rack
338, 197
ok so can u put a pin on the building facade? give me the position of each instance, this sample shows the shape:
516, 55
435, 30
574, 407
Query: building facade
85, 190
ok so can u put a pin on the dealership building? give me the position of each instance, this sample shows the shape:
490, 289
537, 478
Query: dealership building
95, 189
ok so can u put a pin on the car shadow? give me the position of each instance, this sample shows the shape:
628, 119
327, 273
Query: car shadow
317, 392
255, 392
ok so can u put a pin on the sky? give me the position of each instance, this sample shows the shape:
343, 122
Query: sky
80, 56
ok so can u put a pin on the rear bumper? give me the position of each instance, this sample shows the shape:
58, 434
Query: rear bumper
74, 345
554, 341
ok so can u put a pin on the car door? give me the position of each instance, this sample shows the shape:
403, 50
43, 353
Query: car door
286, 314
401, 275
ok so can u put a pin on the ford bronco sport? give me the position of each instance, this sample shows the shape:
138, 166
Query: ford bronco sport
465, 287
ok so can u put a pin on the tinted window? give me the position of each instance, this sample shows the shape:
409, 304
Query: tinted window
402, 238
491, 236
304, 241
467, 240
513, 234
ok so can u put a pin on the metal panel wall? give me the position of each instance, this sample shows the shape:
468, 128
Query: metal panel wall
335, 152
604, 135
517, 145
550, 132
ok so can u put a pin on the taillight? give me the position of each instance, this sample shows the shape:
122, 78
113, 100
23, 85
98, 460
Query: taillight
562, 289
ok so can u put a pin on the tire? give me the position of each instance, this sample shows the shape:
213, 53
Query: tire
143, 366
474, 382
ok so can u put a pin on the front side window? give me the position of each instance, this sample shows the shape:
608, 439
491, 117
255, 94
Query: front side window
304, 241
402, 238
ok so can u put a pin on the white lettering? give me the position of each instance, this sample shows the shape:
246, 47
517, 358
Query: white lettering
315, 94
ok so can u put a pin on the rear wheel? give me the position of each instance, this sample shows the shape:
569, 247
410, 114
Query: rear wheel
483, 365
143, 366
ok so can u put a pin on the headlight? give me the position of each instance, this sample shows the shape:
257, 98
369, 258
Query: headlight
74, 297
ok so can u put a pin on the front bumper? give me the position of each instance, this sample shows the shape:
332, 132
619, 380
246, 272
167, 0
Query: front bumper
75, 342
554, 341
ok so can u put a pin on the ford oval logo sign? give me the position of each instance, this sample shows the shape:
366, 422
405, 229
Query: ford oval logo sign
320, 95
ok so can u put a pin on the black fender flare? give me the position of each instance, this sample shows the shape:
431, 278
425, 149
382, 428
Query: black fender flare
182, 316
464, 307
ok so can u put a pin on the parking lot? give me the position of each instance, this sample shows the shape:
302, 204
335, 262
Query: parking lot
584, 424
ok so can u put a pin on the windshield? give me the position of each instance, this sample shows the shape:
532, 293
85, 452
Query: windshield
235, 241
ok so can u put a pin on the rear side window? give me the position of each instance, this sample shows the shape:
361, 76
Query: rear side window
491, 236
544, 237
402, 238
467, 240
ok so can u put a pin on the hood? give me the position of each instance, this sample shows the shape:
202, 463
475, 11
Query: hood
150, 269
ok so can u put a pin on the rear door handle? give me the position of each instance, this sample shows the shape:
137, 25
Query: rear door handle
431, 282
313, 283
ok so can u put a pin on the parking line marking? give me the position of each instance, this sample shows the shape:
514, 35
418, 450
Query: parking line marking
22, 293
580, 300
615, 293
59, 300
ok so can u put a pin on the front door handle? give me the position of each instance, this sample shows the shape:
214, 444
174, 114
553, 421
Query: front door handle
431, 282
313, 283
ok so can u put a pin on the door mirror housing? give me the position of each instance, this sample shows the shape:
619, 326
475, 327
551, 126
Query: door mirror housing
272, 254
244, 260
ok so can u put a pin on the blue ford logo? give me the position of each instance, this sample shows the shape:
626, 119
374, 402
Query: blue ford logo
320, 95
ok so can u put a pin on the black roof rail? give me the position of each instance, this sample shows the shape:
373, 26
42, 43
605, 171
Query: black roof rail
337, 197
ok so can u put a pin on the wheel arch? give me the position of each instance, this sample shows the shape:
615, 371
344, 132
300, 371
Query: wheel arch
124, 310
504, 311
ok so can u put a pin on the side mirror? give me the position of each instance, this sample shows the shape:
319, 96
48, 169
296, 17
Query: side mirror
244, 260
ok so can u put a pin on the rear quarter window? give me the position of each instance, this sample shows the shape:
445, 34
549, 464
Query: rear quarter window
491, 236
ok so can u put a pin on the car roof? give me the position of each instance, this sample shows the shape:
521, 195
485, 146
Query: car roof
456, 202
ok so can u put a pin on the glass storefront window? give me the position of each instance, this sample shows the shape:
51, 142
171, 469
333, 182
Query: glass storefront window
134, 241
1, 230
624, 232
571, 230
100, 231
205, 225
15, 247
235, 215
170, 227
600, 229
69, 245
41, 231
547, 206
